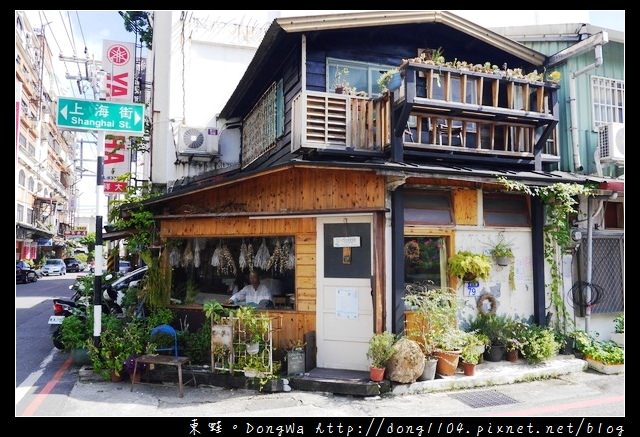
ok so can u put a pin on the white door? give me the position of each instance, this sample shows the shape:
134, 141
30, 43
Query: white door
344, 306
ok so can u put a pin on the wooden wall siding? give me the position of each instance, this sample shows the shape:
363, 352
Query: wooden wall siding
296, 189
465, 207
443, 182
306, 271
289, 326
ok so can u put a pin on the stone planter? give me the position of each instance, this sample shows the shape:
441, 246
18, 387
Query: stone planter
607, 369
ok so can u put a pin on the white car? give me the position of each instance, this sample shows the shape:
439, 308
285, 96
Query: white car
54, 267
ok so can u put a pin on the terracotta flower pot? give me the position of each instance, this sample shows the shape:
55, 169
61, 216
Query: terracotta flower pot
376, 374
469, 369
512, 355
115, 377
447, 362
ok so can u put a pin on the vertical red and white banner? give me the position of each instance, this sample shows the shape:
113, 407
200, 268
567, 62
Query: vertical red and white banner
116, 163
118, 60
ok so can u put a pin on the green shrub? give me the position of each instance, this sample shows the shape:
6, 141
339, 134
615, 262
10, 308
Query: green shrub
468, 263
619, 324
197, 345
539, 344
381, 349
75, 332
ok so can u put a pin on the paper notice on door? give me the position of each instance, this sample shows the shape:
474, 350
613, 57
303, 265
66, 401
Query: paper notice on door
347, 303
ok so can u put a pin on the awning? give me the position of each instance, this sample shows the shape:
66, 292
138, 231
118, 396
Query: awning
116, 235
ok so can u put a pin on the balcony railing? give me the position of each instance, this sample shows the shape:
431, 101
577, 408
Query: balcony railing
340, 122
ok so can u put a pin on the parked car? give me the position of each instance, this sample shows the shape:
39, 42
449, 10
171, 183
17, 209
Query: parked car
115, 291
54, 266
72, 265
24, 273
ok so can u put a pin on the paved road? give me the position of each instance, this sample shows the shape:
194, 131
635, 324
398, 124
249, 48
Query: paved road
36, 360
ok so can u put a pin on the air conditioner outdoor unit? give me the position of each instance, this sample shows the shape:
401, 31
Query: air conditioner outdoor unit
201, 141
611, 142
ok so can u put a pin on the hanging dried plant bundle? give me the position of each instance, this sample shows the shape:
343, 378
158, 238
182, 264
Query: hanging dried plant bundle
289, 255
261, 260
227, 264
412, 250
242, 261
174, 257
250, 257
278, 260
187, 256
215, 259
196, 253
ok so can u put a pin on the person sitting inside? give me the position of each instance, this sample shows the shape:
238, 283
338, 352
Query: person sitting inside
255, 294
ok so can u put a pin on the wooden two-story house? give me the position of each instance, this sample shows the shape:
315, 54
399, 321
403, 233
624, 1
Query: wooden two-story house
349, 182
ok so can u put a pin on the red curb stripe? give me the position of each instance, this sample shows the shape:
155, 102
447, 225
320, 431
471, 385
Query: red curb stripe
40, 397
562, 407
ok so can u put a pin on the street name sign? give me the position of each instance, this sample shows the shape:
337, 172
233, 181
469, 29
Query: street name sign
101, 115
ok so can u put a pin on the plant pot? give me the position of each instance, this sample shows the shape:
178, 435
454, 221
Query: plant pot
376, 374
469, 369
567, 348
495, 353
447, 362
429, 372
253, 373
394, 82
469, 277
80, 357
502, 261
116, 377
253, 348
512, 356
339, 90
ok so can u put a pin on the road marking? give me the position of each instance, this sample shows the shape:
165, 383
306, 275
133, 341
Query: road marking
40, 397
33, 377
568, 406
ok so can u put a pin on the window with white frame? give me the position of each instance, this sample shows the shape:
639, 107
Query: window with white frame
22, 178
359, 75
607, 96
31, 184
20, 213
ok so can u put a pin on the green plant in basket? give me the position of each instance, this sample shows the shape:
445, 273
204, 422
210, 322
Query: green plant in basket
469, 266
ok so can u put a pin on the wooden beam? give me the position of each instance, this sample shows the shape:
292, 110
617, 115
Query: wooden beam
379, 276
537, 256
397, 263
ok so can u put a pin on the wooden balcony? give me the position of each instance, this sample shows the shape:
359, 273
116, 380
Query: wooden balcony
340, 122
446, 109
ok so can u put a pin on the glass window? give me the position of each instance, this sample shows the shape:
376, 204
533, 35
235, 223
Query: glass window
22, 140
425, 259
30, 218
31, 184
607, 96
22, 178
502, 209
428, 207
471, 91
359, 75
20, 214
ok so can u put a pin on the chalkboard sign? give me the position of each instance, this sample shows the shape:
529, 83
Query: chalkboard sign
295, 362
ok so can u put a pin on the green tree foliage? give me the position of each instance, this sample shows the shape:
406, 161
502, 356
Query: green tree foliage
140, 22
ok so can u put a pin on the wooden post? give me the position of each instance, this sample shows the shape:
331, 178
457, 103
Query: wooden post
379, 272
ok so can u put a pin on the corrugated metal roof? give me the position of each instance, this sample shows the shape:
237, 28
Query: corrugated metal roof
282, 27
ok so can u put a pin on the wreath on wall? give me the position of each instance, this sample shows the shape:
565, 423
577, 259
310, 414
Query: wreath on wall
491, 299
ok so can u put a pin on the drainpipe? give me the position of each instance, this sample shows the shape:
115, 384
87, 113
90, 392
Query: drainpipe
577, 164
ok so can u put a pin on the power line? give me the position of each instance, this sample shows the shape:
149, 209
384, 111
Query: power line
59, 51
81, 33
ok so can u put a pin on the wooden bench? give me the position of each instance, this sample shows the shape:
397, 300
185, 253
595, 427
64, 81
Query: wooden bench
167, 360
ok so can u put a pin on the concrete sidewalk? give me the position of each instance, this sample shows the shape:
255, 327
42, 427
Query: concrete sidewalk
116, 399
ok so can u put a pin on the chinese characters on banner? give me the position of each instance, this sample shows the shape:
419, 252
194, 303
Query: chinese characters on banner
118, 60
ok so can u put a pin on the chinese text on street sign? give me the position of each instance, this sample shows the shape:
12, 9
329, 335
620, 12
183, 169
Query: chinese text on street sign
101, 115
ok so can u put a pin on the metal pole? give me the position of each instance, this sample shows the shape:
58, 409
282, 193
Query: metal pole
587, 313
97, 283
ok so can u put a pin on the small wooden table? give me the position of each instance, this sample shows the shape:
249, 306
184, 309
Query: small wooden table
167, 360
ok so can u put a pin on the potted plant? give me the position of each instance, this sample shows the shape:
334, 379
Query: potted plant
436, 309
341, 80
605, 357
469, 353
379, 353
255, 328
75, 331
539, 344
255, 367
448, 349
495, 328
514, 339
618, 336
390, 80
468, 265
502, 253
130, 367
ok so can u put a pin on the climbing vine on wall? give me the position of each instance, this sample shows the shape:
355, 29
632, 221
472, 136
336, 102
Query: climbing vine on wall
560, 202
